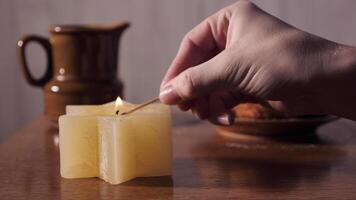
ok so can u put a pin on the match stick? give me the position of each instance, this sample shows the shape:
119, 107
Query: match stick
141, 106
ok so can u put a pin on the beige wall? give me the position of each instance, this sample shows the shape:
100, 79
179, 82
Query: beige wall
147, 47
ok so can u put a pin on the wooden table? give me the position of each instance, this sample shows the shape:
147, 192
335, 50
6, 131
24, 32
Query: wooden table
206, 167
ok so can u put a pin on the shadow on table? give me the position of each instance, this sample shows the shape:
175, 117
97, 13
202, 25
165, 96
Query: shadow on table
282, 165
162, 181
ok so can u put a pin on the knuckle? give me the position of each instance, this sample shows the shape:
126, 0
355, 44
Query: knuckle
188, 87
187, 37
244, 4
243, 7
186, 41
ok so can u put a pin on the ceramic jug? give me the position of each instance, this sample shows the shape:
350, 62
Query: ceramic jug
81, 65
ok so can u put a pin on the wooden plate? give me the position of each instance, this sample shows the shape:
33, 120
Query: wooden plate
275, 127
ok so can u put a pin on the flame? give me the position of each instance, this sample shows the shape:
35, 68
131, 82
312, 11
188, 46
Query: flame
118, 102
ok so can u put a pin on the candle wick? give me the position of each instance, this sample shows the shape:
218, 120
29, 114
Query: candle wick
117, 112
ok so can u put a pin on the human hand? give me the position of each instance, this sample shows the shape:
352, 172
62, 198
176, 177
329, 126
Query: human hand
243, 54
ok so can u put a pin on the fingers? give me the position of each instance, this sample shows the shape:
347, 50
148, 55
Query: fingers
224, 119
215, 107
184, 106
198, 81
220, 114
201, 108
200, 44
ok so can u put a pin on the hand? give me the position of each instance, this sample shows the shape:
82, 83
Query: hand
243, 54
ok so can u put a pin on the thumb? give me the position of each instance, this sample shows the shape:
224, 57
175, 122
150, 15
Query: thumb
197, 81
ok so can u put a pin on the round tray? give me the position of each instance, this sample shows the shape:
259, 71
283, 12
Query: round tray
275, 127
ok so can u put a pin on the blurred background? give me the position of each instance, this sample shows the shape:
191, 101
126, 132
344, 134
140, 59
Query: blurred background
147, 47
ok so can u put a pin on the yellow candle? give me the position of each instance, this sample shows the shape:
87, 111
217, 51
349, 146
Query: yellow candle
105, 109
135, 145
78, 145
96, 143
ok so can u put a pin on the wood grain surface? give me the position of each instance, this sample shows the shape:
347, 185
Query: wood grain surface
207, 166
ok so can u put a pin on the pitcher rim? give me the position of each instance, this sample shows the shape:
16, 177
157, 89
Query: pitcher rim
90, 28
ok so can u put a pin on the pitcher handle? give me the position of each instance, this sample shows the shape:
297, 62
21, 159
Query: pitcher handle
21, 48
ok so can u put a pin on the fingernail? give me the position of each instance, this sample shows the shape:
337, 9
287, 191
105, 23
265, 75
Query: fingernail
169, 96
195, 114
224, 119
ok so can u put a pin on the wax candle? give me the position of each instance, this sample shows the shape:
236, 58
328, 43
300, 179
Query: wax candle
78, 145
94, 142
78, 140
105, 109
135, 145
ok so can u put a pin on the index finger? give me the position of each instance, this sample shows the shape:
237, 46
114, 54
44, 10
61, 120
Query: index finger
200, 44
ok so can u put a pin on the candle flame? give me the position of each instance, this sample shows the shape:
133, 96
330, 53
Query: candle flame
118, 102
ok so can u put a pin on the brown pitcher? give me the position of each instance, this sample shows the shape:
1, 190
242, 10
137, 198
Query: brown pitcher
81, 65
